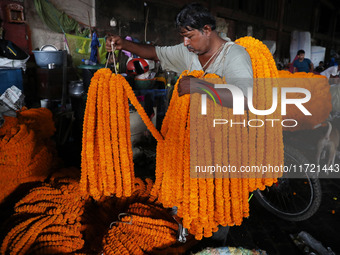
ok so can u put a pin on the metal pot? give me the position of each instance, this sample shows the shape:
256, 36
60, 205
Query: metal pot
76, 88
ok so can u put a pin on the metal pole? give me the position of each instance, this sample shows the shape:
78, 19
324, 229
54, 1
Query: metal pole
64, 91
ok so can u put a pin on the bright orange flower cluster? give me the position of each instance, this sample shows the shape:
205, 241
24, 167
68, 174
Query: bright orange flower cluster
38, 119
205, 203
25, 153
107, 166
50, 220
145, 228
265, 145
107, 160
109, 211
320, 104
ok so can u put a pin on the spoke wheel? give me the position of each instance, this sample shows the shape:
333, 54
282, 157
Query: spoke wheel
292, 199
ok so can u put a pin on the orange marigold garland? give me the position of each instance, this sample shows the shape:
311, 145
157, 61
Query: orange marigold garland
26, 153
238, 188
107, 131
53, 225
142, 230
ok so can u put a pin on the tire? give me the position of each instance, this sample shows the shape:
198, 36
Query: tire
292, 199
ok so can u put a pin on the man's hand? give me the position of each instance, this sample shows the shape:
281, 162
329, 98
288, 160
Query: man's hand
184, 85
142, 50
116, 40
190, 84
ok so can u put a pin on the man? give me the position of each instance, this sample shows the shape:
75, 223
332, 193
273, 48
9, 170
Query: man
202, 48
302, 64
320, 68
331, 72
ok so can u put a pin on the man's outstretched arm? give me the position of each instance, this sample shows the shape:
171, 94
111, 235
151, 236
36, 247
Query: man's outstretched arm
142, 50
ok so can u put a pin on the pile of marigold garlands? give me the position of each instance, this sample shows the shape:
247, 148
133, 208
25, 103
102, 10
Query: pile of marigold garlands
54, 217
25, 151
47, 220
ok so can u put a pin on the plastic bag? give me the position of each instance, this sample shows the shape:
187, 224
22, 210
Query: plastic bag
12, 99
80, 49
335, 92
13, 63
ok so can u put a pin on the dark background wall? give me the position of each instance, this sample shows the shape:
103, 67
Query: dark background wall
131, 16
270, 19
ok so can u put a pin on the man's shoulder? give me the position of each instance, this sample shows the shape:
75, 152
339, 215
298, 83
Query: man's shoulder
237, 48
237, 51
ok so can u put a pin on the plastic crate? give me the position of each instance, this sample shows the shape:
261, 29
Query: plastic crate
10, 77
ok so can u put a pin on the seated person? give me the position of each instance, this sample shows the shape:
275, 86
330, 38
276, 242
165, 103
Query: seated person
320, 68
331, 72
302, 64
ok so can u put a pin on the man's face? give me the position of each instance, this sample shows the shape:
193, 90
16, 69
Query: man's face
195, 40
301, 56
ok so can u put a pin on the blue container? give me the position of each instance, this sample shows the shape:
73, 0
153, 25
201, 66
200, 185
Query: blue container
43, 58
10, 77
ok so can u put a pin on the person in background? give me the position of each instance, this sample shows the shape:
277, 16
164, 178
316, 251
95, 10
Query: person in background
302, 64
320, 68
332, 62
332, 72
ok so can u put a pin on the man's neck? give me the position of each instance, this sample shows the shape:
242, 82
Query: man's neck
215, 45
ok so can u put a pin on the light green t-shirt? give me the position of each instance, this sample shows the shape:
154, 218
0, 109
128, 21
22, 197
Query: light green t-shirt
233, 63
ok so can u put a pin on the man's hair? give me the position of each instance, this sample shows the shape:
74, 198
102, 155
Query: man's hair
195, 16
300, 52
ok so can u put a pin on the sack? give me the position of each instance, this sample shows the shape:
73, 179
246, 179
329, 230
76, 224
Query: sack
335, 92
11, 51
300, 41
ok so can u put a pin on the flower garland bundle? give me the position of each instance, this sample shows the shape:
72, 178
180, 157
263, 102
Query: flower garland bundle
265, 144
143, 229
25, 153
107, 166
320, 104
50, 220
107, 160
205, 203
38, 119
100, 218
